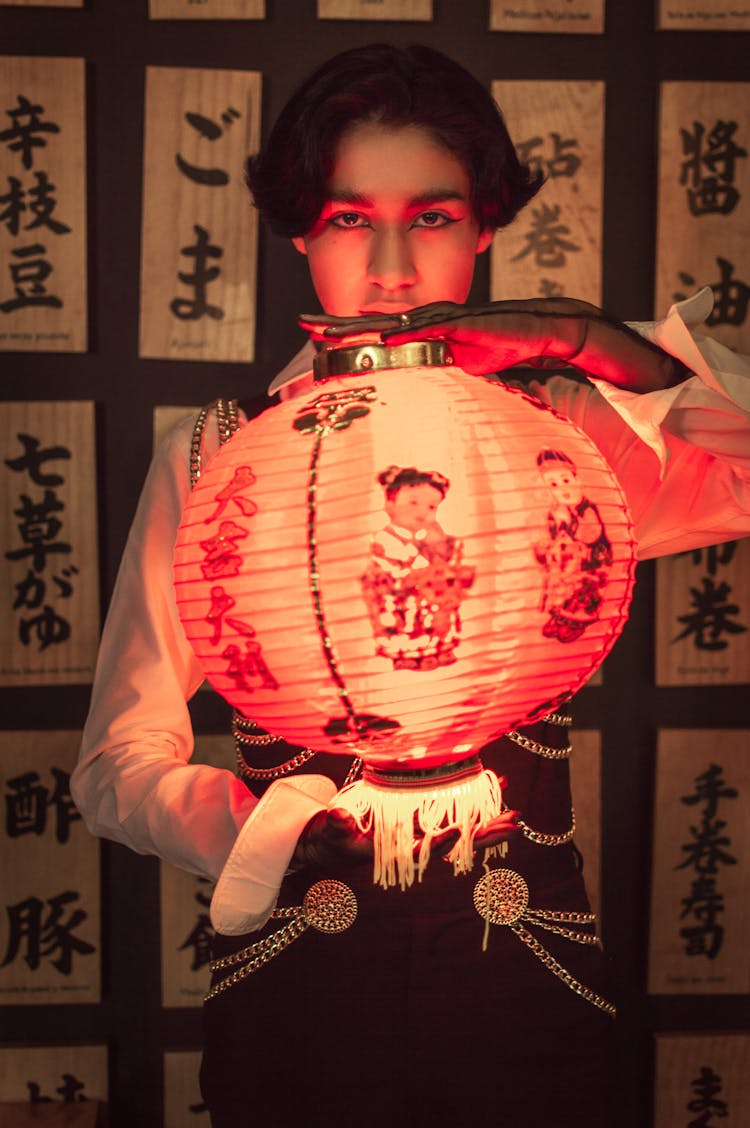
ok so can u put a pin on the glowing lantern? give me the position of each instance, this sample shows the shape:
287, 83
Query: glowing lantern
403, 565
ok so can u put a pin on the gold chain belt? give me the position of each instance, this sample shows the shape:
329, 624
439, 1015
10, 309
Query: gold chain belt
541, 838
501, 896
545, 750
328, 906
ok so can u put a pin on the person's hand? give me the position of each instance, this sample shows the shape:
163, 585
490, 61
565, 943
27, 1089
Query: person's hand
497, 830
539, 331
332, 839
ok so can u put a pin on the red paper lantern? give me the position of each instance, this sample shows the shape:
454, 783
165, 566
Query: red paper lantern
403, 565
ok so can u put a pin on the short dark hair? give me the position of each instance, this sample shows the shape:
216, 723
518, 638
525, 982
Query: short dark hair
395, 477
394, 86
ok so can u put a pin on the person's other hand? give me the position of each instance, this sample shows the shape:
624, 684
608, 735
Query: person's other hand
540, 331
332, 838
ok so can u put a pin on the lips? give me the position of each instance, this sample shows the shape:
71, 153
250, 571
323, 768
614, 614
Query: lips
386, 309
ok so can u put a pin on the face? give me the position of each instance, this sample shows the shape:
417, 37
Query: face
414, 507
563, 483
396, 230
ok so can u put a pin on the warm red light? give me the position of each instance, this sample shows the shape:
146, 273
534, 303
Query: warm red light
347, 606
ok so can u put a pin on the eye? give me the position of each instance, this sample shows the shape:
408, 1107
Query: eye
432, 219
348, 219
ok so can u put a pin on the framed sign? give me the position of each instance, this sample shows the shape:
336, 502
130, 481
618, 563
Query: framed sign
186, 931
703, 616
40, 1076
553, 248
703, 215
586, 787
374, 9
49, 577
577, 17
49, 868
706, 15
206, 9
700, 894
43, 215
702, 1079
200, 232
183, 1103
43, 3
166, 417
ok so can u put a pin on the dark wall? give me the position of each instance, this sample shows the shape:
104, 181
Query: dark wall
118, 42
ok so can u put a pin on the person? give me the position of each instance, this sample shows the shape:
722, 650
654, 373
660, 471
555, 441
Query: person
450, 1002
576, 555
414, 583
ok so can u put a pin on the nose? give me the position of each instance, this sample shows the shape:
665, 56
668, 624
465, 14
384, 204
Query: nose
391, 263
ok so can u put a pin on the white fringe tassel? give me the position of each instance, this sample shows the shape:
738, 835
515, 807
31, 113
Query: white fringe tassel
391, 815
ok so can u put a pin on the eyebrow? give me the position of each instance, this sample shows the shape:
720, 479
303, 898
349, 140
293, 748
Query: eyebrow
431, 196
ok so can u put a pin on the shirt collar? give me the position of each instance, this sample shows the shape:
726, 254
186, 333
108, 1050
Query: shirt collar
298, 366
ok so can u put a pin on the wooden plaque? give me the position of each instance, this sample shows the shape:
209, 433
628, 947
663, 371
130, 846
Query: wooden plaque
707, 15
183, 1104
586, 785
703, 216
578, 17
554, 246
703, 616
63, 1114
43, 3
374, 9
63, 1074
702, 1079
43, 231
206, 9
49, 868
166, 417
200, 231
186, 932
48, 566
700, 893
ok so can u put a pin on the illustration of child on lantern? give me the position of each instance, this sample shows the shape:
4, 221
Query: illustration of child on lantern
416, 577
577, 554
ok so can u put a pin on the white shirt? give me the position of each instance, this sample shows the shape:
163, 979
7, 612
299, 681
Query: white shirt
682, 456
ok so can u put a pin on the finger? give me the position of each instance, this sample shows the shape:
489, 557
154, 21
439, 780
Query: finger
332, 326
437, 332
497, 830
444, 842
440, 844
341, 821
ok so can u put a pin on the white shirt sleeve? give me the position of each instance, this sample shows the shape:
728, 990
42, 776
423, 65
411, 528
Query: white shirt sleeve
682, 455
134, 782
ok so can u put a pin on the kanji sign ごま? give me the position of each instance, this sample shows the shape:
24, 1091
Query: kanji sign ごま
199, 246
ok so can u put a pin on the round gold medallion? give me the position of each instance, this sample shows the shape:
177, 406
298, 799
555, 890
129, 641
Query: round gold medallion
501, 896
330, 906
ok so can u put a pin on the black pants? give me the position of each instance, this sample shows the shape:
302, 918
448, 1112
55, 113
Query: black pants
404, 1021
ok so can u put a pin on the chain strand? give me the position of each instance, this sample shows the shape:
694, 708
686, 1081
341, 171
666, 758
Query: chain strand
542, 839
558, 970
564, 720
538, 749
